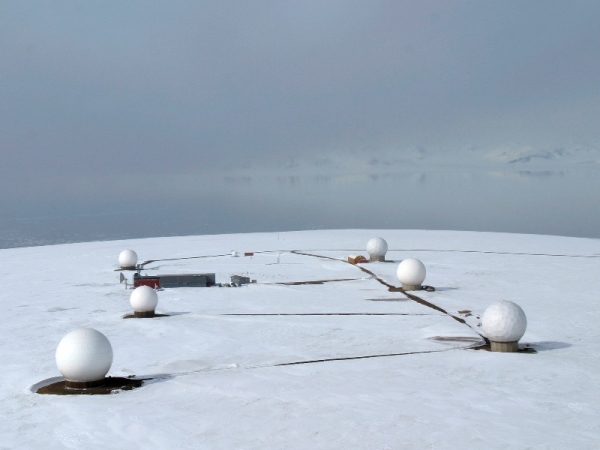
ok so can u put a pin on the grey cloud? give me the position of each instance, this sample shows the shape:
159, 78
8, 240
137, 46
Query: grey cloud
104, 89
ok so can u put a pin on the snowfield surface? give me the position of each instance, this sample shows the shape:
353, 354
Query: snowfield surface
220, 362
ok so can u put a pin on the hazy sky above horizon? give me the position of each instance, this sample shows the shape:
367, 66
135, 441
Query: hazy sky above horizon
93, 92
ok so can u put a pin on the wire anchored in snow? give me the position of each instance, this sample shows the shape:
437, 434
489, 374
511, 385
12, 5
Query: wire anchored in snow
392, 288
485, 252
300, 283
148, 261
349, 358
328, 314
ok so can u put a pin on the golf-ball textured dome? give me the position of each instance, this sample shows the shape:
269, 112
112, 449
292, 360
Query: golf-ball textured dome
504, 321
128, 258
143, 299
377, 246
84, 355
411, 272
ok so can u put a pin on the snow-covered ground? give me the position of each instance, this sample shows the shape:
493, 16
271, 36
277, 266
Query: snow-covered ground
219, 360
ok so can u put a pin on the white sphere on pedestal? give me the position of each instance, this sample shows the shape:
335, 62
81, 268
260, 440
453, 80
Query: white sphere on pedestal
143, 299
504, 321
377, 248
128, 259
84, 355
411, 272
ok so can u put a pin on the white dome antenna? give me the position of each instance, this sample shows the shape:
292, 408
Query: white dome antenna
143, 300
504, 323
84, 357
377, 248
411, 273
128, 259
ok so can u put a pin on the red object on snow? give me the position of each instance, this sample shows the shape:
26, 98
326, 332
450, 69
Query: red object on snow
153, 282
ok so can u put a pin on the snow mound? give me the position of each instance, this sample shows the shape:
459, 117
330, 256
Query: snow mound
318, 353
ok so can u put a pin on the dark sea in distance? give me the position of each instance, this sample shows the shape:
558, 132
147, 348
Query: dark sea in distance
565, 203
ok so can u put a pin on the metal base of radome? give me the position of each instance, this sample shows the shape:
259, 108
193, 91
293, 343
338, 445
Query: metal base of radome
375, 258
143, 314
504, 347
83, 384
412, 287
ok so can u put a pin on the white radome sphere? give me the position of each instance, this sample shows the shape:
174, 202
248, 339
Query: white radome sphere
143, 299
377, 247
128, 258
411, 272
504, 321
84, 355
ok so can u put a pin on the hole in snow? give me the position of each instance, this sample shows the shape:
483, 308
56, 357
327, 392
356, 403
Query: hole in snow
112, 385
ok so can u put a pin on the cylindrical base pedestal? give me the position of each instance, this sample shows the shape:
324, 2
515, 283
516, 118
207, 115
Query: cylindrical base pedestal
411, 287
375, 258
143, 314
83, 384
127, 268
504, 347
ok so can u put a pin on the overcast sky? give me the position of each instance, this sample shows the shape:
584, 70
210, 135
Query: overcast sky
90, 91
